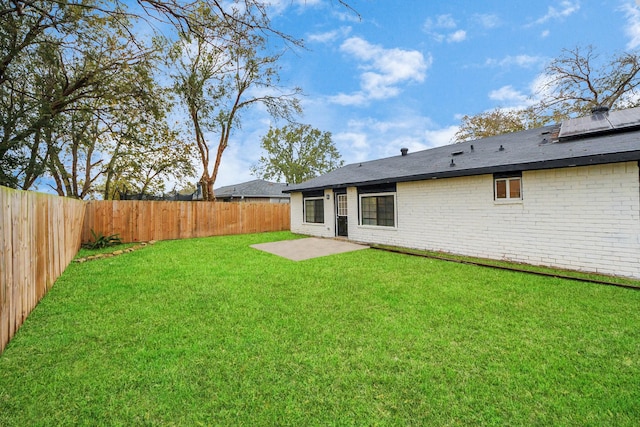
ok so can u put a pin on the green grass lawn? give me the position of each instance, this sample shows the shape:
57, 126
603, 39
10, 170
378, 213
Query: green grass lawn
213, 332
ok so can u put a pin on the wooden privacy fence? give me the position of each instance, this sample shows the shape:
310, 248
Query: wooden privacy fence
139, 221
39, 236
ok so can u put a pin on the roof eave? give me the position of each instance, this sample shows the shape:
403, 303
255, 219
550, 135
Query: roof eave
516, 167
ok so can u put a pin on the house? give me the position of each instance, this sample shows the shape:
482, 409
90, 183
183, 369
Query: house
257, 190
565, 196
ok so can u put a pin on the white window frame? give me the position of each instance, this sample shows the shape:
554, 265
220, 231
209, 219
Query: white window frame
507, 181
304, 210
395, 211
342, 206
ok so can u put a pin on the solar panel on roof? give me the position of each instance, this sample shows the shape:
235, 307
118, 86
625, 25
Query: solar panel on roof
582, 125
600, 122
625, 118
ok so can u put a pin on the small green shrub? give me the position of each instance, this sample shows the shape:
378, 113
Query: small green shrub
101, 241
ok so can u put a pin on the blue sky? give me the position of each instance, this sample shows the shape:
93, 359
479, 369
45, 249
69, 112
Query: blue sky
406, 72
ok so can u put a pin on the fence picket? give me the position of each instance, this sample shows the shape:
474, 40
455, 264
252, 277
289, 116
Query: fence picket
142, 220
39, 235
5, 263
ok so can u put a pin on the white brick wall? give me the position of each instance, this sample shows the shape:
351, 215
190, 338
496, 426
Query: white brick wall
320, 230
582, 218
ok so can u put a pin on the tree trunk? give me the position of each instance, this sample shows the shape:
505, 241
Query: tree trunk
210, 193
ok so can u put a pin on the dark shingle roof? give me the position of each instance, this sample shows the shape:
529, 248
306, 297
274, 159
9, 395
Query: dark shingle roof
255, 188
527, 150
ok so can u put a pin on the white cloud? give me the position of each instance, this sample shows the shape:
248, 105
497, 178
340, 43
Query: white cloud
234, 168
279, 6
565, 8
405, 121
379, 86
457, 36
508, 95
353, 144
384, 70
544, 34
357, 98
440, 22
346, 15
329, 36
542, 87
351, 139
371, 138
358, 140
632, 28
524, 61
509, 98
439, 137
629, 99
487, 20
444, 22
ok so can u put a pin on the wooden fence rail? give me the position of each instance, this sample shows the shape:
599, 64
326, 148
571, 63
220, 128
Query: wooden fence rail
139, 221
39, 236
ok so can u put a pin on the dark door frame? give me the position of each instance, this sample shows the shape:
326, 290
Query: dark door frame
342, 221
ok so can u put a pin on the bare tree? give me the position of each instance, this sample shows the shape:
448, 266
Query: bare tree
575, 83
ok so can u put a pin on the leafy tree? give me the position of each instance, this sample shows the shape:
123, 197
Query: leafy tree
79, 138
575, 83
296, 153
54, 73
496, 122
142, 164
71, 158
222, 72
67, 62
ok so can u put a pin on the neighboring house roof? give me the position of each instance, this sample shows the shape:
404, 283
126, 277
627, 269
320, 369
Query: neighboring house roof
255, 188
541, 148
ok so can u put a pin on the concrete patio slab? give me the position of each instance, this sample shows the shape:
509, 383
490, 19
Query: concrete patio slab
312, 247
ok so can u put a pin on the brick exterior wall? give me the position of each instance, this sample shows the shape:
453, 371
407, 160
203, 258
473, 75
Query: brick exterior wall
582, 218
320, 230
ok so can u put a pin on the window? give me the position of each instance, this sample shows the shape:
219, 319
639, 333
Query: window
314, 210
508, 187
342, 205
377, 209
